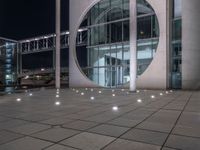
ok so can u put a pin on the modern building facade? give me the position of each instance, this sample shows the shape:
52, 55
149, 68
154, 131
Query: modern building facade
167, 43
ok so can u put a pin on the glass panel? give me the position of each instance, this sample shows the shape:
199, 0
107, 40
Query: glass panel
125, 8
177, 8
104, 56
177, 29
126, 34
93, 57
144, 27
116, 32
116, 10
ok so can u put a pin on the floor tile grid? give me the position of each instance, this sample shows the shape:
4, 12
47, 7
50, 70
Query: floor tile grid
177, 121
142, 121
113, 118
118, 106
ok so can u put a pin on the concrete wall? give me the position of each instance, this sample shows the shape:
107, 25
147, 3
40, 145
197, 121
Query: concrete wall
155, 77
191, 44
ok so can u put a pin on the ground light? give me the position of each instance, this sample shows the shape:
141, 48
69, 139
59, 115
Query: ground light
113, 90
57, 103
138, 91
82, 93
92, 98
152, 96
18, 99
92, 90
113, 95
100, 92
139, 101
161, 94
57, 96
122, 90
167, 92
115, 108
30, 94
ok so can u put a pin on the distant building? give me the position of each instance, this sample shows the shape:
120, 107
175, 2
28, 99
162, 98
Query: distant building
8, 62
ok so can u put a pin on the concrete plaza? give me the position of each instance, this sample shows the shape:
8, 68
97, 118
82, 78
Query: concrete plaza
95, 119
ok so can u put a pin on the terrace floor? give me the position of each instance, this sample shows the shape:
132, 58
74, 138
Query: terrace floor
100, 119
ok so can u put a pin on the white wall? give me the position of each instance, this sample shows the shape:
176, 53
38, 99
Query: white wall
191, 44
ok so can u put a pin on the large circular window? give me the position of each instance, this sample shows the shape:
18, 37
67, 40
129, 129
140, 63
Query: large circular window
105, 56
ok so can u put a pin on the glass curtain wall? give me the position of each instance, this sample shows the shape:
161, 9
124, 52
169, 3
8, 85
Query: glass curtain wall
176, 59
108, 48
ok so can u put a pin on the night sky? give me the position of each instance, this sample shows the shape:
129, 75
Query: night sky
20, 19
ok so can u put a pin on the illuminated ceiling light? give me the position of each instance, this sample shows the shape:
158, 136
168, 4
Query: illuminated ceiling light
82, 93
161, 94
18, 99
57, 103
100, 92
92, 98
57, 96
115, 108
152, 96
113, 95
139, 101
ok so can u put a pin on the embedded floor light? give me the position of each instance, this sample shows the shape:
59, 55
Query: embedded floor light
100, 92
82, 93
171, 91
77, 91
122, 90
92, 98
113, 90
57, 103
18, 99
167, 92
57, 96
152, 96
86, 89
138, 91
161, 94
92, 90
115, 108
113, 95
139, 101
30, 94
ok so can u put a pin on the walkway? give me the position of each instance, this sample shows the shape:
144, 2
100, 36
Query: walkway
94, 119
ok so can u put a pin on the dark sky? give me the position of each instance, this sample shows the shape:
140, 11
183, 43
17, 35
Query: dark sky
20, 19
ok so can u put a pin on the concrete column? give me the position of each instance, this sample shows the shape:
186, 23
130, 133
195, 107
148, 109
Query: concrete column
58, 9
133, 45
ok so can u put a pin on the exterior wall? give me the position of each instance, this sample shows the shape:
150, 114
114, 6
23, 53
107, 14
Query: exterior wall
190, 44
155, 77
